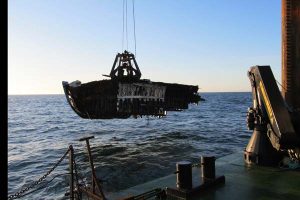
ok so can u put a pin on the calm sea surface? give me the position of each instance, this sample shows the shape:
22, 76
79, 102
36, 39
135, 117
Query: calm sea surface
126, 152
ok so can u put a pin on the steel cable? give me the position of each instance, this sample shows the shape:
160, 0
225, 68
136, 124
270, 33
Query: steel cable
126, 25
133, 13
123, 26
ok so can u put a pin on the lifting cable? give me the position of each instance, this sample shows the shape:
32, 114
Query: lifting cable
133, 14
125, 26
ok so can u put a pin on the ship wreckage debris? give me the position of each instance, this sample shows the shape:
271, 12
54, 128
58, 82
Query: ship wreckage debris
125, 94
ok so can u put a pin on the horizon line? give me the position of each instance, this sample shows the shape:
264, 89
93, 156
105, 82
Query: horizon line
64, 94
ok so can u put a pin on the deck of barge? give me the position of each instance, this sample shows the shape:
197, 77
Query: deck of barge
242, 182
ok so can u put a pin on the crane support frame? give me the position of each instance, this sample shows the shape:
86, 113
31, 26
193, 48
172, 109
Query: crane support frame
272, 108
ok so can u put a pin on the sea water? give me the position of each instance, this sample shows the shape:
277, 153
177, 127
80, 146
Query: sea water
126, 152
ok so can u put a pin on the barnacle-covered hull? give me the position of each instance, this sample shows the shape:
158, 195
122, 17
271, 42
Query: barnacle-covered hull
108, 99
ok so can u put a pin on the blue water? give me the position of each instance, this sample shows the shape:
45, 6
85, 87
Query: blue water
126, 152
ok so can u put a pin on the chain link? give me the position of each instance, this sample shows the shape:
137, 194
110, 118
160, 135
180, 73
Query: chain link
77, 178
19, 193
76, 172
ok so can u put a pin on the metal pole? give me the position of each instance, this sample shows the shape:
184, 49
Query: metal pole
94, 177
71, 159
90, 194
91, 163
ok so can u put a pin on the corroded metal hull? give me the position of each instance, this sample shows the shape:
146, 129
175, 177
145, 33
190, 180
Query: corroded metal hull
126, 94
107, 99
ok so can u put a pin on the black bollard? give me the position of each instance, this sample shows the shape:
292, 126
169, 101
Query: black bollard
185, 188
208, 170
184, 175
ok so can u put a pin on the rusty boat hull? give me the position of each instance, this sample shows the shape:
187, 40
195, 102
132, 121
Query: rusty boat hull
107, 99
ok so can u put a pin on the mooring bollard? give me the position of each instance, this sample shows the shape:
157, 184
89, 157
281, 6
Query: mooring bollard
184, 175
208, 171
185, 188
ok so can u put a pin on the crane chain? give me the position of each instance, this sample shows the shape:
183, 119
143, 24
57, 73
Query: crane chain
19, 193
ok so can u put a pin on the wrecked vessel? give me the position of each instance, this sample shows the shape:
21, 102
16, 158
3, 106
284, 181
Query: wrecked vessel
125, 94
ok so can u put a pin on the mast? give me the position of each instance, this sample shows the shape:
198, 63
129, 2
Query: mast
291, 53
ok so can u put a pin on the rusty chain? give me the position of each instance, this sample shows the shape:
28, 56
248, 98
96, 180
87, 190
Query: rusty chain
19, 193
76, 172
77, 178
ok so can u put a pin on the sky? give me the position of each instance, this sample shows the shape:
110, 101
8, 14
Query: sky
209, 43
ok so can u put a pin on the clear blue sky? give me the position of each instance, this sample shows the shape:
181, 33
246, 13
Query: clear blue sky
209, 43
